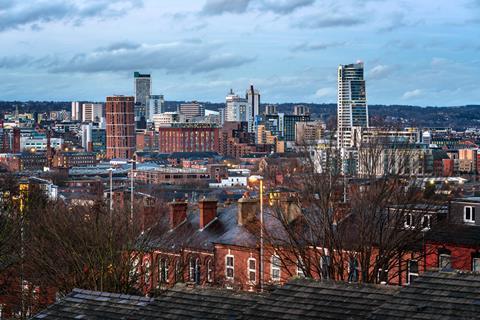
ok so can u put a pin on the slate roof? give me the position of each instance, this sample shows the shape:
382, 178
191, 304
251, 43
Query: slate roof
439, 296
304, 299
188, 303
92, 305
459, 234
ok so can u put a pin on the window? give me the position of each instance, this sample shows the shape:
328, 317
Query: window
163, 270
444, 261
252, 270
146, 272
324, 265
300, 268
426, 221
191, 270
229, 267
209, 270
382, 272
476, 263
178, 272
408, 221
275, 268
412, 271
353, 270
469, 214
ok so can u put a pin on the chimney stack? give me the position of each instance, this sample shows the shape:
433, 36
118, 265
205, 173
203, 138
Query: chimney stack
247, 210
208, 211
178, 213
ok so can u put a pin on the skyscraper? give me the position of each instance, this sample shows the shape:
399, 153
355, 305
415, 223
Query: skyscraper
156, 105
253, 99
120, 127
352, 110
236, 108
143, 90
76, 111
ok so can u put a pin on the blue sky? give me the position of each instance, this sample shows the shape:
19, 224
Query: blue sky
421, 52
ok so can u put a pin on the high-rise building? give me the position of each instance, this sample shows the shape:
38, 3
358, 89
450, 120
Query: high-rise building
76, 111
271, 109
237, 109
120, 127
143, 90
352, 110
92, 112
301, 110
156, 105
192, 110
253, 99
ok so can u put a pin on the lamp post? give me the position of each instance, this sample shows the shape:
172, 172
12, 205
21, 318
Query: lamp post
254, 179
133, 161
110, 173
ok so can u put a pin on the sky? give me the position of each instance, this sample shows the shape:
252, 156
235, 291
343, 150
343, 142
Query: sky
418, 52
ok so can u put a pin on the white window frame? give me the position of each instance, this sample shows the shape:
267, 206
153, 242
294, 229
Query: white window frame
191, 269
252, 270
300, 267
478, 264
410, 273
444, 255
428, 217
408, 224
146, 272
277, 267
470, 219
229, 267
209, 270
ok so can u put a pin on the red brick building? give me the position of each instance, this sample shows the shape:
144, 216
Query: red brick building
188, 137
120, 120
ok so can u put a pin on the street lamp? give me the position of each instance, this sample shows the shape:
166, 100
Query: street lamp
254, 179
110, 170
133, 162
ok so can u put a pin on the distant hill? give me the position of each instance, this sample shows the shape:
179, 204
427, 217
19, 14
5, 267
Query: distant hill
457, 117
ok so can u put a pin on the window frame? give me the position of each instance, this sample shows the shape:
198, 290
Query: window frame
477, 258
300, 268
275, 267
442, 256
251, 271
471, 218
411, 274
209, 270
229, 267
428, 218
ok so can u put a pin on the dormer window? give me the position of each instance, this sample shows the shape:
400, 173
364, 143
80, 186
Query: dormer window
469, 214
408, 221
426, 220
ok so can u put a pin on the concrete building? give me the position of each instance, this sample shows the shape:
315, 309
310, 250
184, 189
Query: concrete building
237, 109
271, 109
143, 90
309, 132
253, 99
191, 110
352, 110
92, 112
120, 124
156, 105
76, 111
167, 118
301, 110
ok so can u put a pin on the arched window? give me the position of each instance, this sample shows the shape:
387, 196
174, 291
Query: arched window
197, 271
163, 270
191, 269
178, 271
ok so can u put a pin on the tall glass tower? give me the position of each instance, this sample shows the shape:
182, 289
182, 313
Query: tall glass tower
352, 109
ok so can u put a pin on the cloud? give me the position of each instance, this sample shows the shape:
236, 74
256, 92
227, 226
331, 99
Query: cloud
218, 7
325, 92
318, 22
396, 21
412, 94
438, 62
316, 46
284, 6
380, 71
178, 57
15, 14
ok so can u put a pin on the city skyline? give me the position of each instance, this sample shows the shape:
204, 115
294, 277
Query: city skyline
414, 53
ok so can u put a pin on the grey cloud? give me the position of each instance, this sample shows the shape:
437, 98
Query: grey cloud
380, 71
284, 6
218, 7
185, 57
14, 62
15, 13
317, 22
306, 46
122, 45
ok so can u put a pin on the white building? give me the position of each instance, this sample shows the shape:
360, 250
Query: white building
166, 119
192, 110
92, 112
39, 144
156, 105
237, 109
76, 111
352, 110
